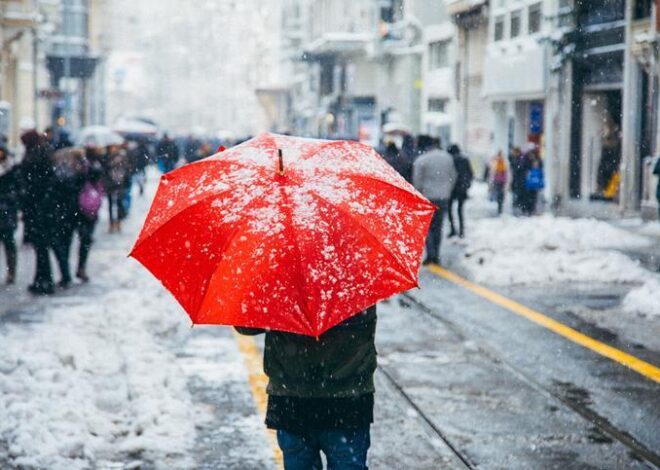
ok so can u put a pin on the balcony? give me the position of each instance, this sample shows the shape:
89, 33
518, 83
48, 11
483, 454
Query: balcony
340, 43
461, 7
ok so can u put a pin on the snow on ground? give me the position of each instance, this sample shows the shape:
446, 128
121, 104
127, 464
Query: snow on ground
96, 379
515, 250
644, 299
536, 250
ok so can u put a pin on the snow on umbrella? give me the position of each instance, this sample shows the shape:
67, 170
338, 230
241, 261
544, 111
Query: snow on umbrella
98, 136
284, 233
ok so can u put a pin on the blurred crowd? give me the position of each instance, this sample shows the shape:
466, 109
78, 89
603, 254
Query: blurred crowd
444, 176
58, 189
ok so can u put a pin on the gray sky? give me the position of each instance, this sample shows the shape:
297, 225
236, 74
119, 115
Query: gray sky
192, 63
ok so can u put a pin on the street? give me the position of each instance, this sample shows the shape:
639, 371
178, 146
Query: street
462, 382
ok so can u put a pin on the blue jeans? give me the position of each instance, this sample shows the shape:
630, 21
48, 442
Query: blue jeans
344, 449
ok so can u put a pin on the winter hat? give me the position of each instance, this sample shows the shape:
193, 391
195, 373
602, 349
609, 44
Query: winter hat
30, 139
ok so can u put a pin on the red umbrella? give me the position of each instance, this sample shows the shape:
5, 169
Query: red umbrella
284, 233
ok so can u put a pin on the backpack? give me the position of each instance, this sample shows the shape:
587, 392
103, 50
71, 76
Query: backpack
464, 174
535, 180
90, 199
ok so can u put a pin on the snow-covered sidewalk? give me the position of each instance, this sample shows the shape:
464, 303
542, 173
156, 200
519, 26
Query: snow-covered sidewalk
101, 379
509, 250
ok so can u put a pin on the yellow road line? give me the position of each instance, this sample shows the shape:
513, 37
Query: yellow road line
258, 381
641, 367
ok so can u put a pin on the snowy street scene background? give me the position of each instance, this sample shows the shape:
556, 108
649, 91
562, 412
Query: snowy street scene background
533, 338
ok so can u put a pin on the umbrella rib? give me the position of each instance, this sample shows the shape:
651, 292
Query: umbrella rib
357, 222
303, 281
392, 185
201, 201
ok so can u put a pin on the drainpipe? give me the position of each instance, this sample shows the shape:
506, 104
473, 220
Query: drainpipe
629, 168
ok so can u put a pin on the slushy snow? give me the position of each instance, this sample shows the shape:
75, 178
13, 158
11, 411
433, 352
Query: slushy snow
97, 379
535, 250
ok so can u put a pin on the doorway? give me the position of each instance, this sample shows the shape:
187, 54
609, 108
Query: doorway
601, 144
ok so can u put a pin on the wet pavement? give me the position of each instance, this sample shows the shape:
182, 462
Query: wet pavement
462, 383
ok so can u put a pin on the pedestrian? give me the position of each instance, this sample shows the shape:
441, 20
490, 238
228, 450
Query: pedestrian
191, 149
168, 153
57, 138
139, 157
408, 154
116, 179
321, 393
464, 177
9, 204
499, 177
534, 183
397, 161
38, 207
90, 199
519, 166
656, 171
68, 177
434, 175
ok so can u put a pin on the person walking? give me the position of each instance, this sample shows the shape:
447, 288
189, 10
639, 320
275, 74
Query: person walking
38, 207
434, 175
321, 393
498, 180
9, 203
168, 153
90, 199
139, 157
519, 166
534, 183
117, 173
68, 176
464, 177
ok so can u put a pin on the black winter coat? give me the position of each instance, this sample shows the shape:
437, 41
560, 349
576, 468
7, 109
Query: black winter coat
464, 176
9, 198
38, 204
340, 364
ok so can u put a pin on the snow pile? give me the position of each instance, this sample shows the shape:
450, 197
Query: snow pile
545, 249
644, 299
96, 379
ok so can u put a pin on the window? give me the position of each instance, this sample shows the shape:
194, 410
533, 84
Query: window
516, 18
499, 28
437, 105
643, 9
438, 54
534, 18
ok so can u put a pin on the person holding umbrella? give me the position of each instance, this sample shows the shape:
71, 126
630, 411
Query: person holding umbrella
298, 239
321, 392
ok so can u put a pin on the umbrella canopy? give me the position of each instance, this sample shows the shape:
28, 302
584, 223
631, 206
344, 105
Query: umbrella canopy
98, 136
396, 128
284, 233
135, 127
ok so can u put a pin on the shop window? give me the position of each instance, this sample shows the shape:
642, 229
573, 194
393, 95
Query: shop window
516, 20
437, 105
438, 54
593, 12
643, 9
499, 28
535, 17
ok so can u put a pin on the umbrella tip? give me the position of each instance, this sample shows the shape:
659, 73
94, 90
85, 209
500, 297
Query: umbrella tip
280, 170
